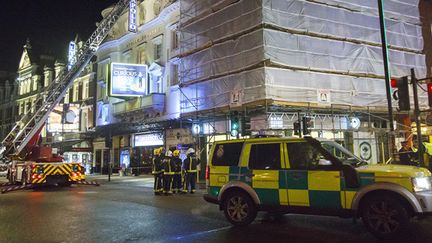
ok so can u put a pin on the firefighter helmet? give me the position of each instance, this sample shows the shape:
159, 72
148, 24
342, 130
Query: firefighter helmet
190, 151
168, 153
156, 151
176, 153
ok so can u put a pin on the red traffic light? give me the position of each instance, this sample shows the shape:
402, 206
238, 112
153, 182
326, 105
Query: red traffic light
394, 83
429, 88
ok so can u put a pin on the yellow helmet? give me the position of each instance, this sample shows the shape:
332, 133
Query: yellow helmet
157, 151
176, 153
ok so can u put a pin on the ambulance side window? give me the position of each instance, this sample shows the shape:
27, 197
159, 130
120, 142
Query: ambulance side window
227, 154
265, 157
304, 156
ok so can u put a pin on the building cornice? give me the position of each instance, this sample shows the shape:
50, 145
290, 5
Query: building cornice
164, 16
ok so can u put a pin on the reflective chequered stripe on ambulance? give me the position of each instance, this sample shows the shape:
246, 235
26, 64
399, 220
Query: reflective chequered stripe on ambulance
42, 170
317, 189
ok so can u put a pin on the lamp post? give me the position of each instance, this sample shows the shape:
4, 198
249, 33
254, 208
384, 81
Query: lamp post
386, 72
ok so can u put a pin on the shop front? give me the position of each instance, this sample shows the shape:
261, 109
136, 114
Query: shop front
141, 156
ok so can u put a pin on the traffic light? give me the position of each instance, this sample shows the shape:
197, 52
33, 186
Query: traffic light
306, 123
402, 93
297, 129
235, 126
246, 125
429, 91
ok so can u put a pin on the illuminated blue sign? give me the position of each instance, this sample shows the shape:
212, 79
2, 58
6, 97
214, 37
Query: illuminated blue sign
71, 54
128, 79
132, 16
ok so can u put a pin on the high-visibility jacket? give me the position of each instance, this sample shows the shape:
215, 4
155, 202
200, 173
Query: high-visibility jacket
157, 165
190, 164
178, 164
169, 166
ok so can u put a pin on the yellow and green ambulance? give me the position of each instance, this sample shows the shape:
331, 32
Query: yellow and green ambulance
309, 176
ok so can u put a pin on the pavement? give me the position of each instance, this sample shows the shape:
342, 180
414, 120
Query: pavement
145, 180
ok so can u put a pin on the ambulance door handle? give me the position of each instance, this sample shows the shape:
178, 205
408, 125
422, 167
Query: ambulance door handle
250, 175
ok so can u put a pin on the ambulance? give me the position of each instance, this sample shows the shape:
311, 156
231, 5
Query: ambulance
318, 177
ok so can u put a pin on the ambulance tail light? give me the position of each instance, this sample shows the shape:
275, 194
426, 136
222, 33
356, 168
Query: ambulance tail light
207, 175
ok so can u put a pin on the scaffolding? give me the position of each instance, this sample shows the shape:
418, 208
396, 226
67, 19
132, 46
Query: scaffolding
290, 50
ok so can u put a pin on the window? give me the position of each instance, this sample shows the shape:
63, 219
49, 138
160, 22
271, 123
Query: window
66, 97
142, 57
175, 40
28, 107
158, 51
35, 85
305, 156
80, 91
21, 108
174, 74
86, 90
227, 154
75, 92
265, 156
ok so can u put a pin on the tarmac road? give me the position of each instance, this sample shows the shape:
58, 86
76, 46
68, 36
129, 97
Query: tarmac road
125, 210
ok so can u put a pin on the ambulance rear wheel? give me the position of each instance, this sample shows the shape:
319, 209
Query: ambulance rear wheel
239, 209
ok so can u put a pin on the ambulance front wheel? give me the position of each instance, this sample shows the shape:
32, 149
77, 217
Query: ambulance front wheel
385, 216
239, 209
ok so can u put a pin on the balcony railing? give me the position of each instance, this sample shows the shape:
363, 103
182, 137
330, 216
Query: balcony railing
155, 101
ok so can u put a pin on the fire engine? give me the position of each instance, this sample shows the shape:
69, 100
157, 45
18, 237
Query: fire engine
31, 163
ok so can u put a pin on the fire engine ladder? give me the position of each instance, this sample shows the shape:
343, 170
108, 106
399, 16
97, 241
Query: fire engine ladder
29, 124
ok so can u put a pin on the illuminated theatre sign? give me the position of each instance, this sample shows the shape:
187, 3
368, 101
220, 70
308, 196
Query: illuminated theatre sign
127, 79
132, 16
71, 54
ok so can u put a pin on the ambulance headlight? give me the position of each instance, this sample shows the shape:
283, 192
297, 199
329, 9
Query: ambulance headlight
422, 184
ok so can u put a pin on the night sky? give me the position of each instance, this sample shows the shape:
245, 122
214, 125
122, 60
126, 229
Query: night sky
50, 25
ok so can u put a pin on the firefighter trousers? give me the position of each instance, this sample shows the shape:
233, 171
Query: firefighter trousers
190, 182
168, 183
177, 182
157, 182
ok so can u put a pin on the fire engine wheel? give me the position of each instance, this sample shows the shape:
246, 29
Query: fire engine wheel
11, 178
239, 209
65, 184
385, 216
24, 178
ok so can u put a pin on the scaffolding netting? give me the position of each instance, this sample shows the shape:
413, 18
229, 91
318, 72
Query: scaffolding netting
294, 50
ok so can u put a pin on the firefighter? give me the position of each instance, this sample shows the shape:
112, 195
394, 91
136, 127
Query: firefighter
190, 168
177, 180
157, 171
168, 173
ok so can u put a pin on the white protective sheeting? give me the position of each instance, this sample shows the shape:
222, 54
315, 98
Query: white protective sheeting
305, 45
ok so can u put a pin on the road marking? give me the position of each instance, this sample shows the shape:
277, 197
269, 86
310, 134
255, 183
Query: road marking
89, 192
201, 233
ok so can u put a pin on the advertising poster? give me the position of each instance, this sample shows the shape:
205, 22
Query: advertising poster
124, 159
128, 79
